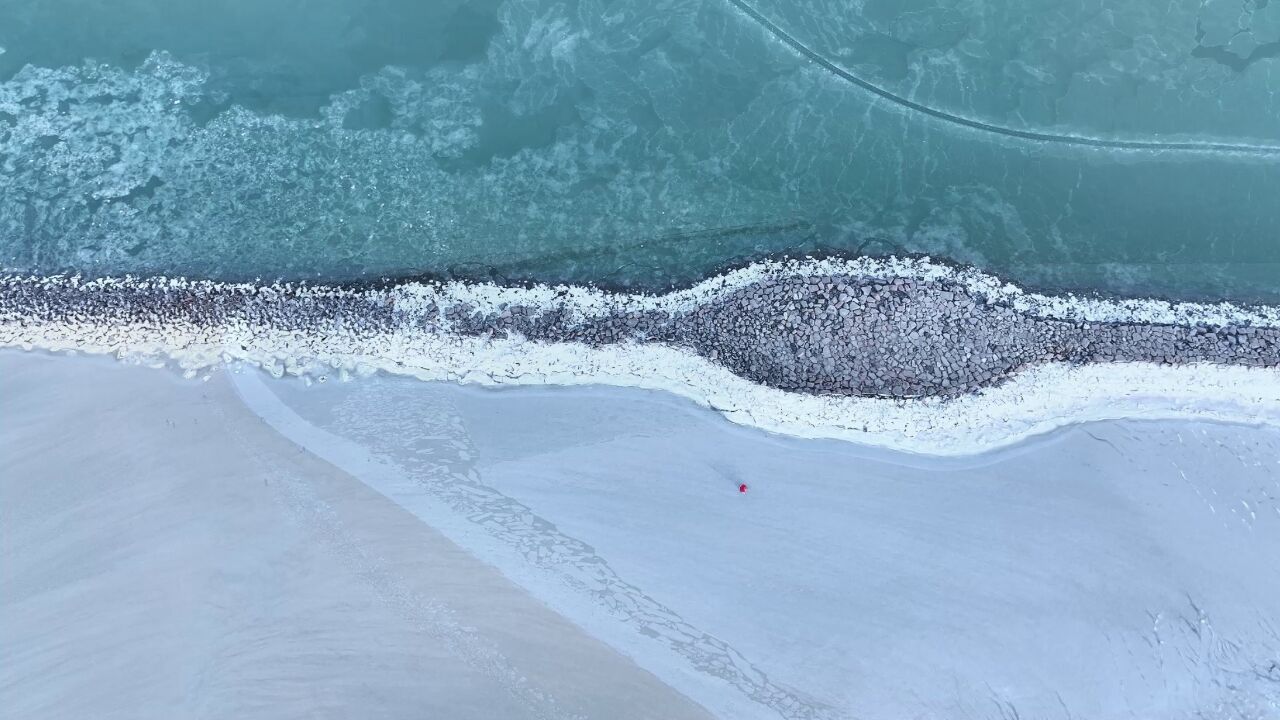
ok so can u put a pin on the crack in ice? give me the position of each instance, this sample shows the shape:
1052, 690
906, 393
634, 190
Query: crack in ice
1192, 146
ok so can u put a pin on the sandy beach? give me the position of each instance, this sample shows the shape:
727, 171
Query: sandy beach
249, 546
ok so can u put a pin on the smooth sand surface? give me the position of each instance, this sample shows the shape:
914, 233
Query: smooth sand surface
1110, 570
166, 555
388, 548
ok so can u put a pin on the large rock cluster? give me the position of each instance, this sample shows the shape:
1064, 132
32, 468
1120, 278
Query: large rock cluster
837, 335
905, 338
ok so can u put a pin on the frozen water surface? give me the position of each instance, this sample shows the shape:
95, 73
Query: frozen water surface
1140, 71
642, 143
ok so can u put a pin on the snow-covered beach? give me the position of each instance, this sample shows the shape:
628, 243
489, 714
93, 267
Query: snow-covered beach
168, 556
175, 556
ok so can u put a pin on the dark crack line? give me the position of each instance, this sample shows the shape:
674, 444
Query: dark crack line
1104, 440
982, 126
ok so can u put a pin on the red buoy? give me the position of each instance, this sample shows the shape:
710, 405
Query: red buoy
742, 488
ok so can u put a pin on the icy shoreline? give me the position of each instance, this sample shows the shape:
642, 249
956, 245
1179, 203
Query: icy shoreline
197, 325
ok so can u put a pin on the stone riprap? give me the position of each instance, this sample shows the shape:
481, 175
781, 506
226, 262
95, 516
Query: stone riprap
825, 334
904, 338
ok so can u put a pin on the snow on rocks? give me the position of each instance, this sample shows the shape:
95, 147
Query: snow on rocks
892, 330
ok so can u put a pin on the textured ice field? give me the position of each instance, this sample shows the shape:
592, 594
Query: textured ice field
643, 143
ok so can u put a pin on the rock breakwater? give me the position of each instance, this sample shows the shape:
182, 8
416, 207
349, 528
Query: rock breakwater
842, 331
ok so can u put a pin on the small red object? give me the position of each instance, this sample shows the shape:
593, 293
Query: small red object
742, 488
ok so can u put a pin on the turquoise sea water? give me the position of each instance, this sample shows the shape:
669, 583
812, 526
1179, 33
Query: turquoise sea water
1129, 148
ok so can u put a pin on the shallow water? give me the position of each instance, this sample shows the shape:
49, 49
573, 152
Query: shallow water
641, 144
